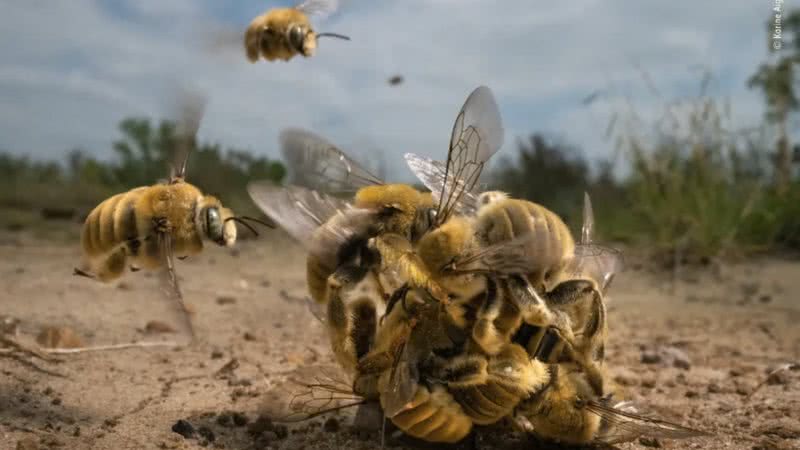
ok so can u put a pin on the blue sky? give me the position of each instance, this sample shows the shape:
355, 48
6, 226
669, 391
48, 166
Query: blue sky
73, 68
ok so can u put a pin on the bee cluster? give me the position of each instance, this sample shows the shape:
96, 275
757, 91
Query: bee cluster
484, 308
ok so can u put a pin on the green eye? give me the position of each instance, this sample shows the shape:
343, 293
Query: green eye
213, 224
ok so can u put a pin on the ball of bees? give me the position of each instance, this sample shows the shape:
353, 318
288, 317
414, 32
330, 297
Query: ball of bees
282, 33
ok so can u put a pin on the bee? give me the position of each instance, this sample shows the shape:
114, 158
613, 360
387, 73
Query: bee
282, 33
377, 231
568, 410
145, 227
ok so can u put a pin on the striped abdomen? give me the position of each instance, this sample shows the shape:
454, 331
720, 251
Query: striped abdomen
433, 415
552, 243
511, 377
111, 223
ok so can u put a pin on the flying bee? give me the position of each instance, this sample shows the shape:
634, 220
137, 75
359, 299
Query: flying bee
282, 33
378, 230
145, 227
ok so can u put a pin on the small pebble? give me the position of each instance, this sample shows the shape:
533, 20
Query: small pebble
650, 357
226, 300
216, 354
156, 326
650, 442
184, 428
248, 336
206, 433
261, 425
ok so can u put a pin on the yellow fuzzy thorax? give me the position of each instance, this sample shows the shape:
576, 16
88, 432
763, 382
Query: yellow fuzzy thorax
400, 196
440, 246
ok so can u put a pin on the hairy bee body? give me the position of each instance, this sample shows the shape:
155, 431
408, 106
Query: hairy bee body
505, 219
433, 415
556, 413
268, 35
507, 378
122, 229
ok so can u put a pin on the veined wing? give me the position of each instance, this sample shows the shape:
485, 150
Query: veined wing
317, 164
432, 174
319, 8
303, 212
477, 135
622, 424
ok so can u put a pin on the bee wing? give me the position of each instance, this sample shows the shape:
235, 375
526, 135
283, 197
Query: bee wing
325, 395
622, 424
169, 279
319, 8
587, 230
432, 173
317, 164
596, 262
504, 258
301, 212
402, 382
477, 135
192, 108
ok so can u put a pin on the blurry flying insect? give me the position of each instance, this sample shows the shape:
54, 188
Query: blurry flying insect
282, 33
395, 80
146, 226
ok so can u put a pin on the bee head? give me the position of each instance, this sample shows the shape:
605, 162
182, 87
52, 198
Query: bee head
440, 247
404, 208
302, 39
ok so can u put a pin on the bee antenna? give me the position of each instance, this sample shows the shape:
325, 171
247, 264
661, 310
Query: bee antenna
258, 221
336, 35
239, 219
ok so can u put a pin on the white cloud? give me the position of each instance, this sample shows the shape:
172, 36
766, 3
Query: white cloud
83, 68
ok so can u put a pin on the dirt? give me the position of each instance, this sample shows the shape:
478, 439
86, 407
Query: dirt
692, 350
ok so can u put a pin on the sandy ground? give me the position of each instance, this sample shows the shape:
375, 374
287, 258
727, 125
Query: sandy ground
727, 329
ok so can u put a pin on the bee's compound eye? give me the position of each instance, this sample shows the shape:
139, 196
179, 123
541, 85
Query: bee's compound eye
297, 36
213, 224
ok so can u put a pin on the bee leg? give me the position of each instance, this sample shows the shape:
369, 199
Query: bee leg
82, 273
461, 371
397, 295
570, 292
339, 326
161, 225
381, 291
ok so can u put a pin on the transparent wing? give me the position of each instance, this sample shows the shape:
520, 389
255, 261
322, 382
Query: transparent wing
477, 135
596, 262
432, 174
297, 210
169, 280
191, 110
505, 258
317, 310
317, 164
326, 394
623, 425
319, 222
587, 230
319, 8
402, 382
